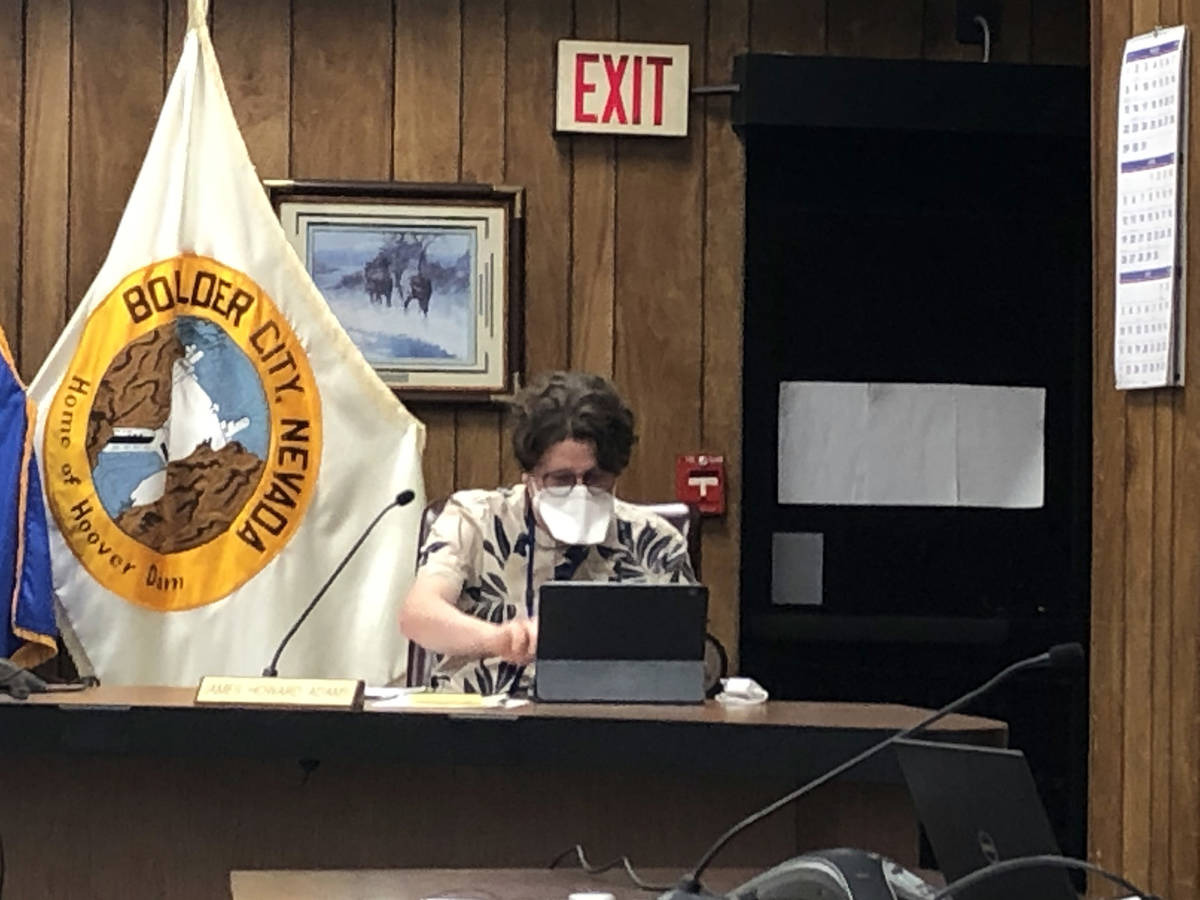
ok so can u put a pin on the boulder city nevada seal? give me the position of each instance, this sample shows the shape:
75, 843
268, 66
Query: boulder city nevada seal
182, 445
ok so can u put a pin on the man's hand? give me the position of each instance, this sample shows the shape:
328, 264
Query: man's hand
516, 641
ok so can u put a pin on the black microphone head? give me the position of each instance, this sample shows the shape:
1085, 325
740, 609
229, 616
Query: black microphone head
1066, 656
406, 497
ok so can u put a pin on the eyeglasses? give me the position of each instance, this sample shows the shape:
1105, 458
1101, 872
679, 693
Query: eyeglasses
560, 481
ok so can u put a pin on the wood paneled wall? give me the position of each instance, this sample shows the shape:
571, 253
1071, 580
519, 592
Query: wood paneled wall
1144, 819
634, 246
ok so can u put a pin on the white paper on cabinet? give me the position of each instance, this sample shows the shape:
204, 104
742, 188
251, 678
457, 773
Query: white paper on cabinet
888, 444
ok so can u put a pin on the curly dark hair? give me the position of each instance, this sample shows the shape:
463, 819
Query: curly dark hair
556, 406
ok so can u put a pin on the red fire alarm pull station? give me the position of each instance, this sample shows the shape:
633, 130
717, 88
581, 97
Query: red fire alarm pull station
700, 479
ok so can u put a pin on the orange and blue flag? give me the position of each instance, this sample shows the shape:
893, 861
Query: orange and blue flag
26, 588
211, 439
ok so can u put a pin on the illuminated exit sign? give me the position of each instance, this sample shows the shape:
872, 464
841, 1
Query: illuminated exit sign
618, 88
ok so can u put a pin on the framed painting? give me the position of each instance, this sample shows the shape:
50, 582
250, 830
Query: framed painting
427, 279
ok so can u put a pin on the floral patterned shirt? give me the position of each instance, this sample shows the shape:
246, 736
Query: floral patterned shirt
481, 543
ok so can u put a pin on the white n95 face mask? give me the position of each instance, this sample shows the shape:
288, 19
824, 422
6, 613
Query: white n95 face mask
576, 517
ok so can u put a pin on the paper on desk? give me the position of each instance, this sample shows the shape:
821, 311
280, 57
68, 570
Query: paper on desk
420, 698
893, 444
741, 692
373, 692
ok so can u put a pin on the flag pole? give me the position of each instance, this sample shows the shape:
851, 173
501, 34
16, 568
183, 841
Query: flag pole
197, 14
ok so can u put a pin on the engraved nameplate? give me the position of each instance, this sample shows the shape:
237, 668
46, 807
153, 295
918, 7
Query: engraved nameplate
305, 693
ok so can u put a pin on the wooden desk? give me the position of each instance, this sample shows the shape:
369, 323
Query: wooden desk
120, 792
492, 884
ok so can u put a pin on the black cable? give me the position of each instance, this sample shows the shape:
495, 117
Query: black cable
691, 881
1033, 862
67, 687
622, 861
3, 867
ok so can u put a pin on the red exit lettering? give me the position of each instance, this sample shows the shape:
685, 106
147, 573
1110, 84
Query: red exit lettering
622, 76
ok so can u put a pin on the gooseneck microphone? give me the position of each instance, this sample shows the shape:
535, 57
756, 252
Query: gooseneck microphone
1060, 656
401, 499
1042, 861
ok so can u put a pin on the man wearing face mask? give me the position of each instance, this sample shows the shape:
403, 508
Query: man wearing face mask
475, 597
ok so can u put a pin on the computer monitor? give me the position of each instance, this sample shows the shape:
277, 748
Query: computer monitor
979, 805
621, 642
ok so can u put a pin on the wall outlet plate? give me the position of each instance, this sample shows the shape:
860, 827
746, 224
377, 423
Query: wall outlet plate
968, 30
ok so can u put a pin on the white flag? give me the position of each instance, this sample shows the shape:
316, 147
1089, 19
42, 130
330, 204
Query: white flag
213, 442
